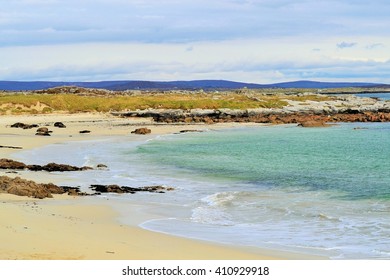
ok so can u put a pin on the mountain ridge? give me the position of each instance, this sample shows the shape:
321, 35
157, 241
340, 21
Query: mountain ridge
184, 85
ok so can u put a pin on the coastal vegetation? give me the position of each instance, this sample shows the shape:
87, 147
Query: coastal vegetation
19, 103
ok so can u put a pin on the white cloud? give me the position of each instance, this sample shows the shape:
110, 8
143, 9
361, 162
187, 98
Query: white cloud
248, 40
344, 45
259, 61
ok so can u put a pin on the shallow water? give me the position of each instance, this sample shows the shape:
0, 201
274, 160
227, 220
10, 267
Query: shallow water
313, 190
379, 95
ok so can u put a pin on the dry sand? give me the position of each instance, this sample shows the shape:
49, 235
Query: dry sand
86, 227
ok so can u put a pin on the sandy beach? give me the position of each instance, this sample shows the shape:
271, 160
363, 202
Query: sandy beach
66, 227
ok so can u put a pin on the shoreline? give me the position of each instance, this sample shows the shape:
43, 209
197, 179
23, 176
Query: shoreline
80, 228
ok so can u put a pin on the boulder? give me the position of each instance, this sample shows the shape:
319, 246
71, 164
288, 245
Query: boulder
59, 124
142, 131
101, 166
313, 124
18, 125
43, 131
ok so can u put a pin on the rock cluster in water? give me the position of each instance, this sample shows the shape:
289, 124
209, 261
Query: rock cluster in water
23, 187
50, 167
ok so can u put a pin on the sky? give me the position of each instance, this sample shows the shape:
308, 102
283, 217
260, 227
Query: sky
264, 41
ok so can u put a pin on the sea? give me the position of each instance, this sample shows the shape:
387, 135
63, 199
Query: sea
322, 191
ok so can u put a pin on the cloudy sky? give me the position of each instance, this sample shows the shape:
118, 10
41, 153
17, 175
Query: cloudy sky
260, 41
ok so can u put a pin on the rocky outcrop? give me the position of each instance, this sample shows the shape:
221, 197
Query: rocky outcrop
125, 189
50, 167
263, 116
340, 109
142, 130
22, 187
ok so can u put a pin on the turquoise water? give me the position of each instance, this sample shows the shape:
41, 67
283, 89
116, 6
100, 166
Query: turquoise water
322, 191
319, 190
353, 163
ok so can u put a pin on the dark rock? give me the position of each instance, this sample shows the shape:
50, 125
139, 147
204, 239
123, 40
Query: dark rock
42, 134
190, 130
51, 167
22, 187
313, 124
74, 191
34, 167
132, 190
142, 131
68, 189
59, 124
101, 166
10, 147
23, 125
11, 164
31, 126
18, 125
43, 131
351, 111
84, 131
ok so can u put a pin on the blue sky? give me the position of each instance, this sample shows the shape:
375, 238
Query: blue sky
260, 41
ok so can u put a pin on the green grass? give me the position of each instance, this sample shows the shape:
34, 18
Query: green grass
75, 103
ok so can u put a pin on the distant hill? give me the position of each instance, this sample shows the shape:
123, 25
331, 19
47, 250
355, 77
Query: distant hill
187, 85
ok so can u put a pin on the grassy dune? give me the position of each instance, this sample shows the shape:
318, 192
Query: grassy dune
72, 103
